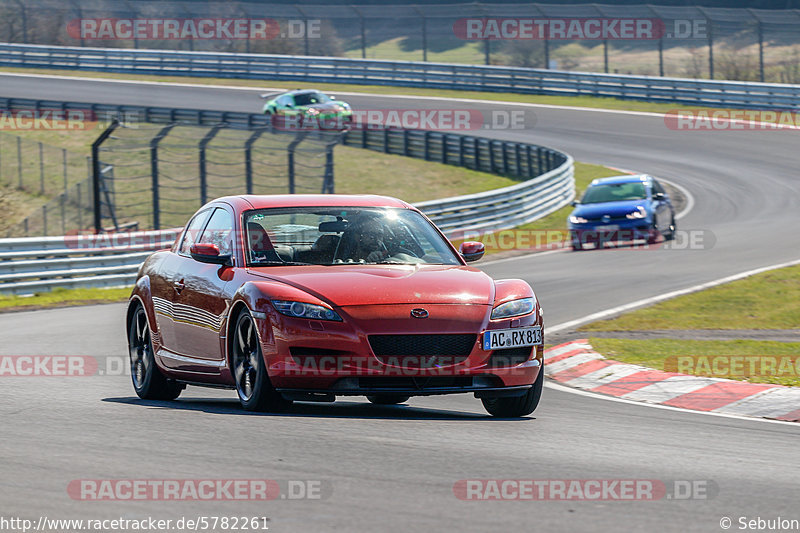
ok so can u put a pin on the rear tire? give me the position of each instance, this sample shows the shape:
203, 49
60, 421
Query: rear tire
517, 406
253, 386
387, 399
148, 381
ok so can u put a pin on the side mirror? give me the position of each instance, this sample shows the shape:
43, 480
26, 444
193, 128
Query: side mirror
658, 196
471, 251
209, 253
574, 203
332, 97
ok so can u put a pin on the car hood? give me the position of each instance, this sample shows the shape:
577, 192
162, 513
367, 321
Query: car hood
345, 285
331, 107
613, 209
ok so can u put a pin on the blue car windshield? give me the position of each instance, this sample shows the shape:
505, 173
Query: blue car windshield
614, 192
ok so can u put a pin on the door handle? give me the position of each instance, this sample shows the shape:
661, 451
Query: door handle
179, 286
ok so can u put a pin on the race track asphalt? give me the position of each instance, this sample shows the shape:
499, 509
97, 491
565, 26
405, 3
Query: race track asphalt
393, 468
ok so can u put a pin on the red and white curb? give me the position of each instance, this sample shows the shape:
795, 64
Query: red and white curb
575, 364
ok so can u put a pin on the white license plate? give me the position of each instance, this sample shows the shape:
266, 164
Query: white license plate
500, 339
610, 227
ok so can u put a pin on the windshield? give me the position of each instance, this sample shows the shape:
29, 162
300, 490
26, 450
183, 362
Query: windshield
310, 98
614, 192
343, 235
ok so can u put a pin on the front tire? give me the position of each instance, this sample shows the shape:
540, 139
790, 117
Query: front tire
672, 228
255, 391
519, 405
148, 381
387, 399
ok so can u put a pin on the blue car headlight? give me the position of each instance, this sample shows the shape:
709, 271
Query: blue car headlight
304, 310
523, 306
639, 213
577, 220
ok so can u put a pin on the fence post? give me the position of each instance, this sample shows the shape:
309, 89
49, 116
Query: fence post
41, 169
202, 145
63, 214
19, 161
64, 164
328, 183
248, 160
80, 208
154, 173
44, 220
292, 145
98, 215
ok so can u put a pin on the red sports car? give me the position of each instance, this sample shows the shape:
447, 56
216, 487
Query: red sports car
309, 297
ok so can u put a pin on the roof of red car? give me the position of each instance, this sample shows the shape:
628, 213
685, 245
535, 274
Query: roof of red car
314, 200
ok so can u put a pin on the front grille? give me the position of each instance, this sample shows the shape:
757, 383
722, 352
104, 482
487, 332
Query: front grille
422, 351
510, 357
436, 344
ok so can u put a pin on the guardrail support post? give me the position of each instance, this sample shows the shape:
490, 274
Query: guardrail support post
202, 162
248, 160
154, 173
98, 215
605, 55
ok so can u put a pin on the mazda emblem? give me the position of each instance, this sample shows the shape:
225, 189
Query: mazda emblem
419, 313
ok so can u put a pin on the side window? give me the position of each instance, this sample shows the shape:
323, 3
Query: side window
219, 231
657, 188
285, 100
193, 231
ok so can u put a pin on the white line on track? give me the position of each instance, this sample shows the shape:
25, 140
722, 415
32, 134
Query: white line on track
562, 388
666, 296
409, 97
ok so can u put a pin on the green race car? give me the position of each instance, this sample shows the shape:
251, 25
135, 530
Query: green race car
307, 109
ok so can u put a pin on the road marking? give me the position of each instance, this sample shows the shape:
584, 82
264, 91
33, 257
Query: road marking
564, 388
666, 296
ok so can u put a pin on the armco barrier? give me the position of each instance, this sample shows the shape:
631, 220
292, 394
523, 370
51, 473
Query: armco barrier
403, 73
29, 265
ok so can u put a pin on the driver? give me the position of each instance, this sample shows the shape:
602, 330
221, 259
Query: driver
369, 241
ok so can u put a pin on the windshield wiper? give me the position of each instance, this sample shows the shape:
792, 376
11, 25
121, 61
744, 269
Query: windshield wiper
278, 263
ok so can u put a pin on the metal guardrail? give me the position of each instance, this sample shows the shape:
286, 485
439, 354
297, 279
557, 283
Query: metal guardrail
403, 73
29, 265
33, 264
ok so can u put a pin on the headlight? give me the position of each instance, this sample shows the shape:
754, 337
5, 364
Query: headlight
514, 308
304, 310
577, 220
639, 213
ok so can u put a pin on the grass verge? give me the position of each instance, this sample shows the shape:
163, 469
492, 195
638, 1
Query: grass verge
63, 298
770, 300
655, 352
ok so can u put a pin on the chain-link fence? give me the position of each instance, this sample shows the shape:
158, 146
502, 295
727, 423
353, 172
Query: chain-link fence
156, 175
53, 179
683, 41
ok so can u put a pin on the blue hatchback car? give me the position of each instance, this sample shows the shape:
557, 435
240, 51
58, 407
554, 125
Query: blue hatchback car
621, 208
